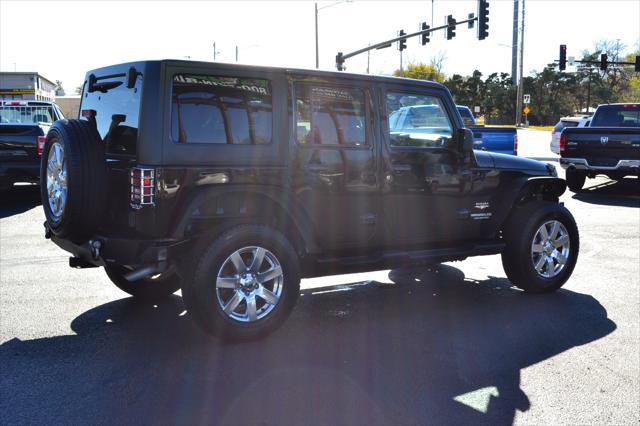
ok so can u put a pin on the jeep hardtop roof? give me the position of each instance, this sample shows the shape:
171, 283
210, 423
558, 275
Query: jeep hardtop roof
291, 71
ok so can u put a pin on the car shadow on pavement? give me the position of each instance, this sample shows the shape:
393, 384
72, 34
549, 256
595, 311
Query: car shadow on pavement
429, 346
19, 199
622, 193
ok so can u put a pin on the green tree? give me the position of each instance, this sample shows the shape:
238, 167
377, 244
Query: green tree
421, 71
59, 89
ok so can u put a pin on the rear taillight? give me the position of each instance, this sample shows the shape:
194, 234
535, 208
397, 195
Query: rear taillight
40, 144
142, 187
563, 141
515, 143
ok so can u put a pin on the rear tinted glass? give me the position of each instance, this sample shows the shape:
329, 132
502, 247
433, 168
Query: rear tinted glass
564, 123
467, 118
26, 114
617, 116
117, 113
210, 109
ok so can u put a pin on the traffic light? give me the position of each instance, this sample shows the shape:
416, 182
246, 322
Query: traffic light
425, 36
402, 43
451, 27
637, 63
603, 62
340, 61
563, 57
483, 19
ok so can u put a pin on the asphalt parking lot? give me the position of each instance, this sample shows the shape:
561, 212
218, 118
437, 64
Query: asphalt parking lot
452, 344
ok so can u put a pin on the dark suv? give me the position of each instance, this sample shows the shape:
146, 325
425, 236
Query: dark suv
234, 182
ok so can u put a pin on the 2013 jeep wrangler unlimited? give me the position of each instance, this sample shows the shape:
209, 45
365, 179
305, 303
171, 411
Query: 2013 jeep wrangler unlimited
234, 182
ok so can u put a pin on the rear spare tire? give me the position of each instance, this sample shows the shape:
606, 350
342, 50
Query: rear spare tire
73, 179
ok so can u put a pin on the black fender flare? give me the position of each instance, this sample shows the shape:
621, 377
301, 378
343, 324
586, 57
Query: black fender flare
527, 188
301, 223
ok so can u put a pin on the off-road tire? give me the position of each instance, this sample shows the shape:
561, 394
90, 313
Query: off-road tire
86, 179
519, 234
145, 288
201, 271
575, 179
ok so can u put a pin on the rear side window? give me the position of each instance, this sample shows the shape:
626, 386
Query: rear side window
208, 109
617, 116
330, 116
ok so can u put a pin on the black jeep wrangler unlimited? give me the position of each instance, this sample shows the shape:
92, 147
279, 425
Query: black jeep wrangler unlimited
234, 182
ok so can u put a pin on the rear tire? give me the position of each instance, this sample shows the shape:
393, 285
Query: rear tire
575, 180
73, 189
145, 288
531, 261
231, 295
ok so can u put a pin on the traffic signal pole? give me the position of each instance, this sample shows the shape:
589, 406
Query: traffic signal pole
341, 57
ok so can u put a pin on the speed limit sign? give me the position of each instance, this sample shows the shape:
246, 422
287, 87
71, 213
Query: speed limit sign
527, 99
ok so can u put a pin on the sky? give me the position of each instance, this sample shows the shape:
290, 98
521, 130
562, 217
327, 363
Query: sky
62, 40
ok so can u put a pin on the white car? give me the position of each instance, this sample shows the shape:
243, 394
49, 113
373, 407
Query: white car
579, 121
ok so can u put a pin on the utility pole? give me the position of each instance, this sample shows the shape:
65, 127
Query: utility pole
214, 51
401, 70
514, 45
520, 87
368, 58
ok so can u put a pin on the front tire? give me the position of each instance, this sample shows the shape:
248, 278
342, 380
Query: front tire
243, 284
542, 247
151, 288
575, 180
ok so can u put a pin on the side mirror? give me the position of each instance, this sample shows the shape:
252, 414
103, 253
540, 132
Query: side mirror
465, 141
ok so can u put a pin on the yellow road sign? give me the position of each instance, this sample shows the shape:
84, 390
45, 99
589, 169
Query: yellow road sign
526, 110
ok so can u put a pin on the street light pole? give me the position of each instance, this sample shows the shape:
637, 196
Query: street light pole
316, 9
520, 83
317, 57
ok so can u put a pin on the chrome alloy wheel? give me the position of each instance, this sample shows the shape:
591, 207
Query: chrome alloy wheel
57, 180
550, 249
249, 284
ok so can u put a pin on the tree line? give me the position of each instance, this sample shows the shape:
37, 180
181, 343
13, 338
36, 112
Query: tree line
554, 94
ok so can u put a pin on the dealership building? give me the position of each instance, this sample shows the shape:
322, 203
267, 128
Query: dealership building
28, 86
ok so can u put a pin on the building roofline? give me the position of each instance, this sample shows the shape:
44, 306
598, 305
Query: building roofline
28, 72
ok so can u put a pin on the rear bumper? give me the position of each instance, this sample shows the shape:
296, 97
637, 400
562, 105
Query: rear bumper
20, 172
628, 166
100, 250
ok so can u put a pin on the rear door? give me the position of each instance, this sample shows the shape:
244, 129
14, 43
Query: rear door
334, 161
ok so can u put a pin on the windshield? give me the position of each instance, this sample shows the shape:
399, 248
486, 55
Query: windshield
617, 116
26, 114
